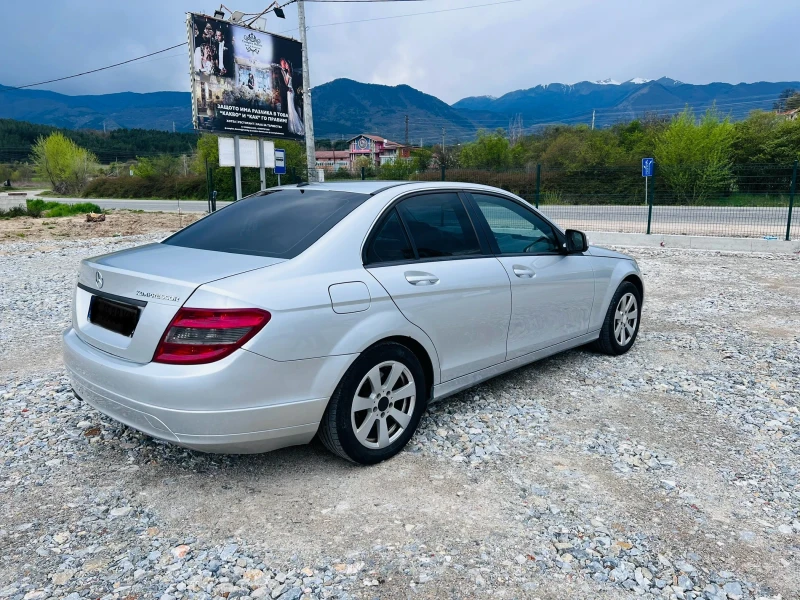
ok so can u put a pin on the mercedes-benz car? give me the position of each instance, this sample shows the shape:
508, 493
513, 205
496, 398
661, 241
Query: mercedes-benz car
336, 310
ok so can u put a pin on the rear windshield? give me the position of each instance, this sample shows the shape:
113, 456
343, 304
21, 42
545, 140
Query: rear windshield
280, 223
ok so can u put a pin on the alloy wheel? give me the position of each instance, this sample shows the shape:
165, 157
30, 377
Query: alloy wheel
383, 404
625, 317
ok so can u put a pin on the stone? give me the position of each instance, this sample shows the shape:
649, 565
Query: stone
180, 551
62, 577
733, 589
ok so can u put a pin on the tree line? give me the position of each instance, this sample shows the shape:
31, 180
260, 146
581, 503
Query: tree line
698, 157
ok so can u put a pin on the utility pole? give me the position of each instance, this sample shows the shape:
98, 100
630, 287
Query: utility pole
443, 155
307, 115
173, 127
593, 119
406, 130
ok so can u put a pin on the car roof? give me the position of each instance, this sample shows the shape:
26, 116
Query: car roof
373, 187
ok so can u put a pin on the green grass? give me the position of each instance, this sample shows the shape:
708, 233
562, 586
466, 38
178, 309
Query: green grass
40, 208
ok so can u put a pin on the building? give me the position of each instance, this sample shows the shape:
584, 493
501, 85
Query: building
333, 160
377, 149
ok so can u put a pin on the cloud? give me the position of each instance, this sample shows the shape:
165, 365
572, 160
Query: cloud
487, 50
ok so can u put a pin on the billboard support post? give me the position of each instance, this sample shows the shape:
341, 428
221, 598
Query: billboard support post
262, 166
237, 167
308, 117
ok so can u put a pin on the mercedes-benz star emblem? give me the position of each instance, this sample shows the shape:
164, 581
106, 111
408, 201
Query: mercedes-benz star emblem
98, 279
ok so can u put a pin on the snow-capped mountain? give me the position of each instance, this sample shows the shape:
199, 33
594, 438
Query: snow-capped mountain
613, 101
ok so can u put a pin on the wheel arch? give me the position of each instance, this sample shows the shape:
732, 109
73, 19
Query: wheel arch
420, 352
637, 281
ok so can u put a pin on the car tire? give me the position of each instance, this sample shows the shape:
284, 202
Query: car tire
370, 418
611, 340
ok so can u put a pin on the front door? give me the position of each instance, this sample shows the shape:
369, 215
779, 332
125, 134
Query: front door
427, 256
551, 292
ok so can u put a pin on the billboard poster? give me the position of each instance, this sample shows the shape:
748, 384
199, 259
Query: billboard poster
245, 81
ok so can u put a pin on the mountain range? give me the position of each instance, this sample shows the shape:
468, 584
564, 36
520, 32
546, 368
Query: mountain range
344, 108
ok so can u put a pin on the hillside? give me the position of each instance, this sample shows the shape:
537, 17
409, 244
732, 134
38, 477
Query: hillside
343, 107
613, 102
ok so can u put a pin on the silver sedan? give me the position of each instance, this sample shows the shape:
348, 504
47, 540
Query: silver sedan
338, 311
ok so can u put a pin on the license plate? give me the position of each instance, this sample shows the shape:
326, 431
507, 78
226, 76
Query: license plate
114, 316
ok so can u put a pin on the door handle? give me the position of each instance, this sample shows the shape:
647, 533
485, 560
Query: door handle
523, 272
420, 278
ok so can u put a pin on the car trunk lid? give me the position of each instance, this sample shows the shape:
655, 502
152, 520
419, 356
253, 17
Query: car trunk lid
141, 289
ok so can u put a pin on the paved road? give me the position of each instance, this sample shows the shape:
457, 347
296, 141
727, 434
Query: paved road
689, 220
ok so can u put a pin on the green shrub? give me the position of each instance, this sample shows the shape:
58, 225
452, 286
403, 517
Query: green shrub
184, 188
68, 210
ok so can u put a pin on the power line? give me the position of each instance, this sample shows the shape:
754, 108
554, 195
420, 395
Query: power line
430, 12
131, 60
124, 62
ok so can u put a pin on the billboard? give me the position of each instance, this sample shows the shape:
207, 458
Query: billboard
245, 81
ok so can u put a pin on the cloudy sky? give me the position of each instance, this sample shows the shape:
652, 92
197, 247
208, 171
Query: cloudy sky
450, 53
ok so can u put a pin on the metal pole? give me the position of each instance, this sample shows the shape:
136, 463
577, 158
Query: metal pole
308, 118
261, 166
792, 191
208, 186
650, 199
538, 183
237, 168
443, 172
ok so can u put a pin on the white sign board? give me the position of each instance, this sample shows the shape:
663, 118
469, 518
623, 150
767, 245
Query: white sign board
269, 154
248, 152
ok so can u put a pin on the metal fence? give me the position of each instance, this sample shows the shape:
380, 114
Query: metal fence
753, 200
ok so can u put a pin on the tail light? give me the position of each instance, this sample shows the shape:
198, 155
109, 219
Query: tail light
199, 335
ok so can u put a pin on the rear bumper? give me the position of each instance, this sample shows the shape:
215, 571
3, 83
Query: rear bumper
242, 404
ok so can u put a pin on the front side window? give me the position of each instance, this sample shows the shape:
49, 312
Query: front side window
439, 225
515, 229
277, 223
390, 242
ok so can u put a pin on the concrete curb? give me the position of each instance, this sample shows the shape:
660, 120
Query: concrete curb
693, 242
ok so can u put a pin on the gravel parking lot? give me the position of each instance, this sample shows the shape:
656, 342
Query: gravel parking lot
670, 472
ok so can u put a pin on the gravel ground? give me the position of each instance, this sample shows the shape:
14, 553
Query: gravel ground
670, 472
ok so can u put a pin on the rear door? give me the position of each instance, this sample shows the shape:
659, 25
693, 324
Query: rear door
551, 292
426, 254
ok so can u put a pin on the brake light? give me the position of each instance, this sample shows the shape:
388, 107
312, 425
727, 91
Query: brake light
199, 335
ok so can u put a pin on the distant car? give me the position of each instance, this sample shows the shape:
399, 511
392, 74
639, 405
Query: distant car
338, 310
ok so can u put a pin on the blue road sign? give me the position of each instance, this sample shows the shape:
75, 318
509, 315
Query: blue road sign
280, 161
647, 167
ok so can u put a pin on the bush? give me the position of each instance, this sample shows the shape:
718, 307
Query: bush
184, 188
65, 164
40, 208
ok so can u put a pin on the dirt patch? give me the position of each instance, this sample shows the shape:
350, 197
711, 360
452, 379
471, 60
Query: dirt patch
117, 223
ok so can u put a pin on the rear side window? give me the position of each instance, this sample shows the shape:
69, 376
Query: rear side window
390, 242
439, 225
280, 223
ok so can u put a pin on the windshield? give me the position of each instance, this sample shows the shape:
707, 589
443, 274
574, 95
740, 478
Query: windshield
278, 223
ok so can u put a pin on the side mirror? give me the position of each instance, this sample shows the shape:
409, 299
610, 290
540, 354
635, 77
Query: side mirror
576, 241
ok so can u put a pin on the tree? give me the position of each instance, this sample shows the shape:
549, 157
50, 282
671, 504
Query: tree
694, 158
65, 164
782, 104
489, 151
162, 165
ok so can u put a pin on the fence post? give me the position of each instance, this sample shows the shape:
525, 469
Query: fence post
792, 191
651, 198
444, 169
363, 173
538, 183
208, 186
